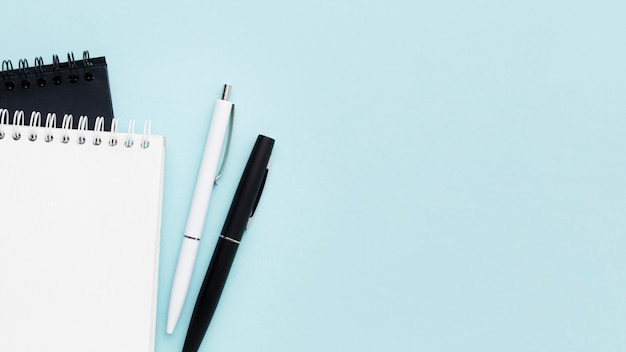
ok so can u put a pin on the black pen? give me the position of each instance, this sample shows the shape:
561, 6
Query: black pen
237, 221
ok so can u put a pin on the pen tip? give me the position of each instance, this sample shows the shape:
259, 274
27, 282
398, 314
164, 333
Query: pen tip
170, 328
226, 93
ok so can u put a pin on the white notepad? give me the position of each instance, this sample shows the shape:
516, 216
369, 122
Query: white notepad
79, 240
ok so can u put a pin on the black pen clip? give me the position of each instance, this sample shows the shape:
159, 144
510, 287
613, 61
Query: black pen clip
258, 196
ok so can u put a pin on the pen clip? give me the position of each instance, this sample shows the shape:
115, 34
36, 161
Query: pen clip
258, 196
231, 122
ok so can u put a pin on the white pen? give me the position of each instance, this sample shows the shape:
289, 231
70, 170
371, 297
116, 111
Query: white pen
195, 222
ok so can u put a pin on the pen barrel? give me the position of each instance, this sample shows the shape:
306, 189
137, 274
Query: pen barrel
182, 278
208, 168
249, 189
210, 293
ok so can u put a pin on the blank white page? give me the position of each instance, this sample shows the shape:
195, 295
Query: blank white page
79, 242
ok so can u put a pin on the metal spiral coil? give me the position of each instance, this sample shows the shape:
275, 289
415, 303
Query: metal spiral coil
23, 70
73, 77
38, 73
7, 66
86, 64
66, 134
56, 67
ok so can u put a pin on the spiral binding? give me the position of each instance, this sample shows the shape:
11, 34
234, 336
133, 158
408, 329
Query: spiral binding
41, 81
35, 120
98, 128
25, 72
7, 66
18, 120
98, 134
51, 122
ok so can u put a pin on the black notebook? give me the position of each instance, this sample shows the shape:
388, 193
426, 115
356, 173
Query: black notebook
76, 87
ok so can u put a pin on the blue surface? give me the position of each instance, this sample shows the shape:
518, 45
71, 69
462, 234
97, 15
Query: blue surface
447, 175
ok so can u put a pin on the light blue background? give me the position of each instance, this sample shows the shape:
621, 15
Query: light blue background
447, 176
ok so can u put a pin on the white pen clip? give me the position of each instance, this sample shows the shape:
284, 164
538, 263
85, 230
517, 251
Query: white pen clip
231, 122
258, 196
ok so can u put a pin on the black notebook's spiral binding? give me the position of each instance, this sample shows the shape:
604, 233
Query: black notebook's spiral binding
77, 87
25, 75
48, 131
